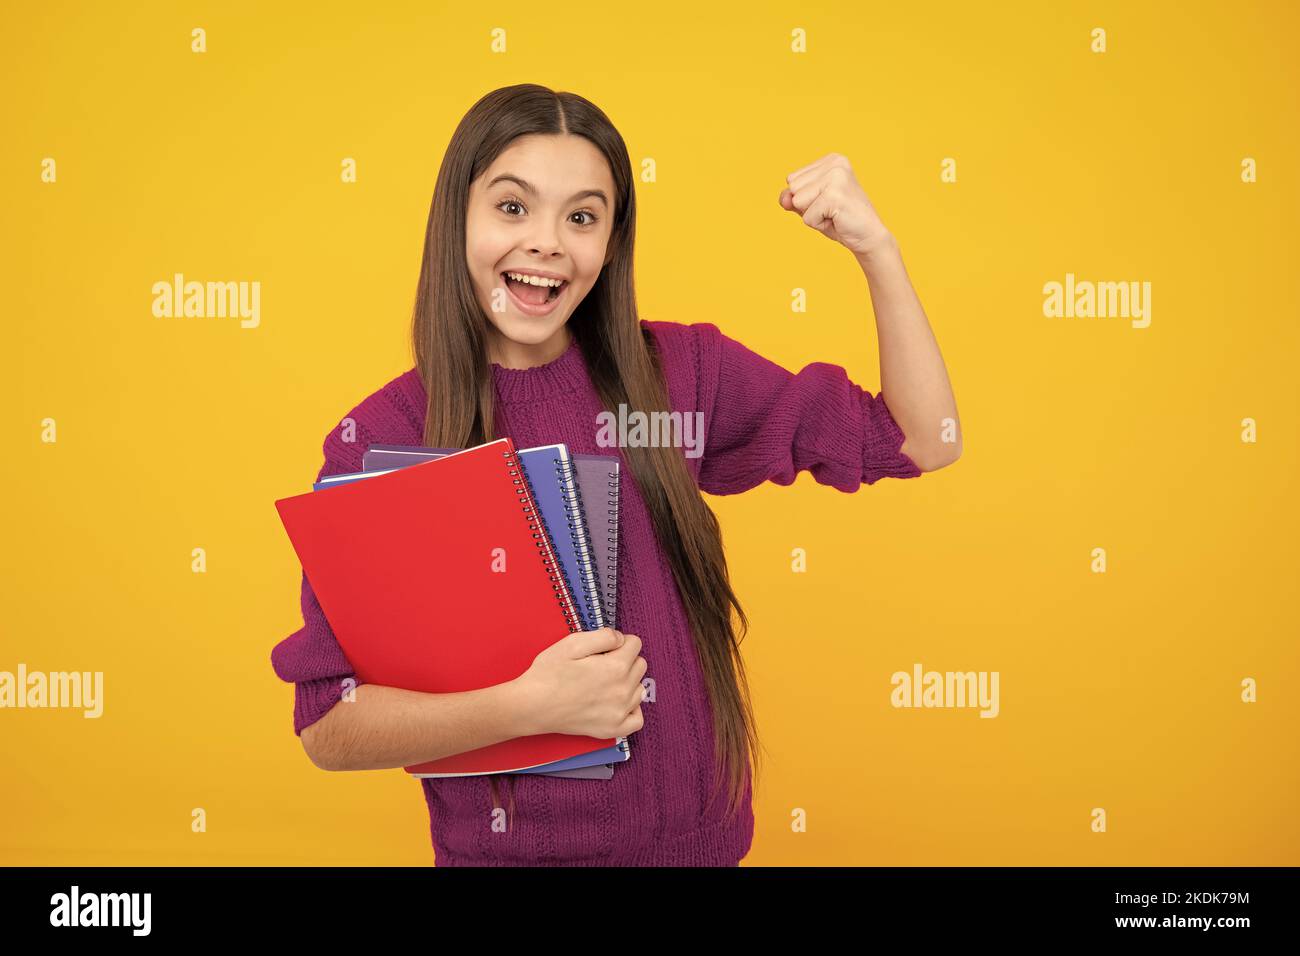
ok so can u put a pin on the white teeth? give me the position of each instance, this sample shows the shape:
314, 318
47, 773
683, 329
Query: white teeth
535, 280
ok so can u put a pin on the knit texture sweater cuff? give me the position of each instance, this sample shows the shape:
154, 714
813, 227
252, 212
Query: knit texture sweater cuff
313, 660
766, 423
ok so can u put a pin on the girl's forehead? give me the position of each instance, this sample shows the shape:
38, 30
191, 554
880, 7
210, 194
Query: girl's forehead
552, 162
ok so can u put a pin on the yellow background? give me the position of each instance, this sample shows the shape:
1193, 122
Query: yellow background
1118, 690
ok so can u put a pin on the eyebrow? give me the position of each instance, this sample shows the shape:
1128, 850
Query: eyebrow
529, 188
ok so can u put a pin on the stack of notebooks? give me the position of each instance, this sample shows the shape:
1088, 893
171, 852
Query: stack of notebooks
448, 569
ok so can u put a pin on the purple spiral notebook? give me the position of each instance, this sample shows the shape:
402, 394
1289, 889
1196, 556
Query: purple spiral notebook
598, 478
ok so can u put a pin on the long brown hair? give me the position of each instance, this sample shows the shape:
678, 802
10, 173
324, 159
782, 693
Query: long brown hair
450, 338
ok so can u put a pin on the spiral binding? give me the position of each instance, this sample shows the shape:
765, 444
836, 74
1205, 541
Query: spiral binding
538, 530
578, 534
611, 547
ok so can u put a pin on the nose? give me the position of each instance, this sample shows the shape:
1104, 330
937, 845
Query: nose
548, 249
546, 240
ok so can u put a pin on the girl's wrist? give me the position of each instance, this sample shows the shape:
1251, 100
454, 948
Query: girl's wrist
519, 709
885, 247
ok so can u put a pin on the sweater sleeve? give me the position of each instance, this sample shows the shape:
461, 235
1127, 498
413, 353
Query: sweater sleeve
311, 657
765, 423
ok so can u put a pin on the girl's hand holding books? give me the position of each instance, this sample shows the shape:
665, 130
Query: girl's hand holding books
588, 683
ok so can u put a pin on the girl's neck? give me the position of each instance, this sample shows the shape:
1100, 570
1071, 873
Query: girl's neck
508, 354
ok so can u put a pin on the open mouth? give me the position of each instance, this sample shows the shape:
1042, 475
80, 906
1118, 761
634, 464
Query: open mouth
533, 295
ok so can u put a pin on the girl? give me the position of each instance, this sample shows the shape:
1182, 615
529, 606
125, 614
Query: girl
525, 324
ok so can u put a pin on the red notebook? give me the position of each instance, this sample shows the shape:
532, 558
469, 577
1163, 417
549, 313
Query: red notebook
407, 568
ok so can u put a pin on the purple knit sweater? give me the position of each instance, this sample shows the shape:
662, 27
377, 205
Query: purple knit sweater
761, 423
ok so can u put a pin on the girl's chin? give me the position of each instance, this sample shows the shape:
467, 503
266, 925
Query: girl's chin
527, 329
